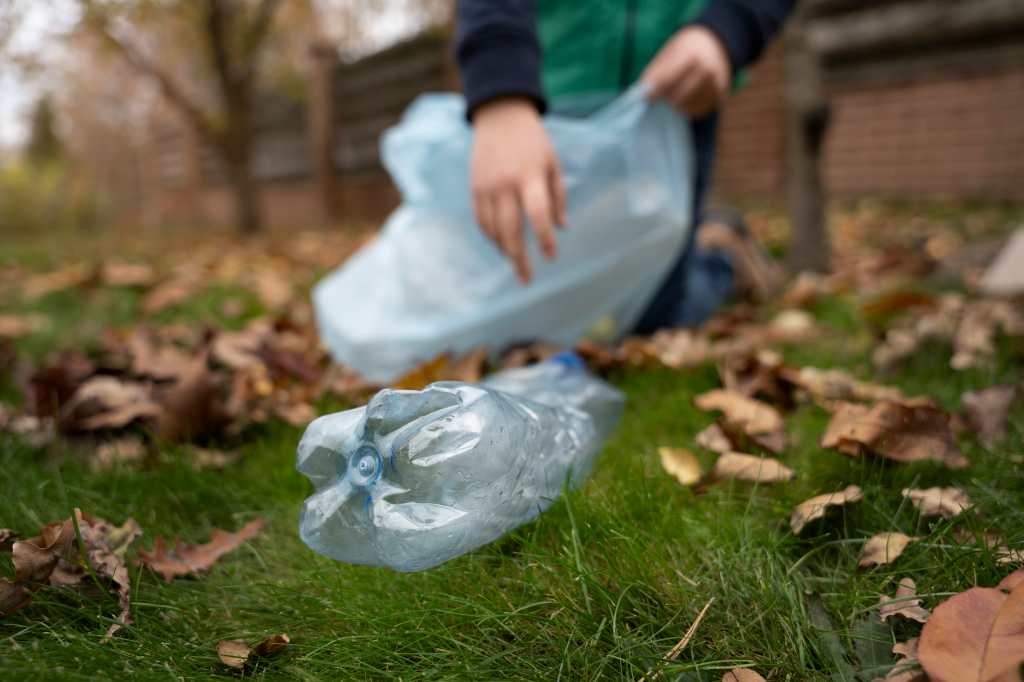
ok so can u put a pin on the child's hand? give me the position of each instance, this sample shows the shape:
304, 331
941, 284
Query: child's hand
514, 171
691, 72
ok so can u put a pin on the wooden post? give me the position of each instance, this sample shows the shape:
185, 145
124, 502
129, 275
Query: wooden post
322, 138
807, 118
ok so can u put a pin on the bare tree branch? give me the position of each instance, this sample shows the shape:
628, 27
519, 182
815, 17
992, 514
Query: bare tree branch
146, 67
217, 19
259, 28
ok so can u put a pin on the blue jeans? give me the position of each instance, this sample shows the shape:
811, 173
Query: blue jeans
700, 282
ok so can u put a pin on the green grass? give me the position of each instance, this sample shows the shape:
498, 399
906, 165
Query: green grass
599, 587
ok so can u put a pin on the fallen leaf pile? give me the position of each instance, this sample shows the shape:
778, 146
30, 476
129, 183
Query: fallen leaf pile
56, 559
157, 382
86, 553
154, 383
970, 326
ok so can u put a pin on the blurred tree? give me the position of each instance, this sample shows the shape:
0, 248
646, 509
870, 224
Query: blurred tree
43, 146
361, 26
207, 59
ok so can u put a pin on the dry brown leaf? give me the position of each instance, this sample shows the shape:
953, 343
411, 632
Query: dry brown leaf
817, 506
194, 406
743, 441
7, 538
346, 383
74, 275
127, 450
742, 675
239, 350
295, 413
206, 458
713, 438
237, 654
907, 649
154, 360
883, 548
17, 326
233, 653
758, 420
681, 464
36, 432
846, 419
115, 274
904, 604
638, 352
907, 668
105, 402
902, 342
737, 466
975, 636
193, 559
807, 289
272, 288
987, 411
468, 368
792, 325
597, 356
53, 383
975, 337
834, 384
13, 597
425, 374
756, 375
171, 293
944, 502
679, 348
269, 646
908, 431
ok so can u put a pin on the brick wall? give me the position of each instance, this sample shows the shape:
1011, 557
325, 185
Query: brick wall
751, 139
938, 136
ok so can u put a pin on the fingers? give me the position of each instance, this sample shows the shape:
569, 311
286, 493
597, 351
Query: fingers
666, 72
538, 204
557, 189
510, 233
695, 95
483, 209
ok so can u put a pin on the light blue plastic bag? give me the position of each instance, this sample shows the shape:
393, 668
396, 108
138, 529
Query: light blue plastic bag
433, 283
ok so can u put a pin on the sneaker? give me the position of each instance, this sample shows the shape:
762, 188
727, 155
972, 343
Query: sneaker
758, 277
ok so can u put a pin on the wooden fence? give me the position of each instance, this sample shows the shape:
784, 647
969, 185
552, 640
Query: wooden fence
926, 99
317, 160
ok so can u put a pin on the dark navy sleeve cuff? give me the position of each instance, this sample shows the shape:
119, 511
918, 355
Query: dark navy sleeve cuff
744, 27
500, 64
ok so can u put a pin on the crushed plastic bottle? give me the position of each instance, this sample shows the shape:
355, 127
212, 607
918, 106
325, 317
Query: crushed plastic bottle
416, 478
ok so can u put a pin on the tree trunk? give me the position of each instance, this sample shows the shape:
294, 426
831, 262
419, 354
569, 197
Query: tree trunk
807, 116
246, 191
